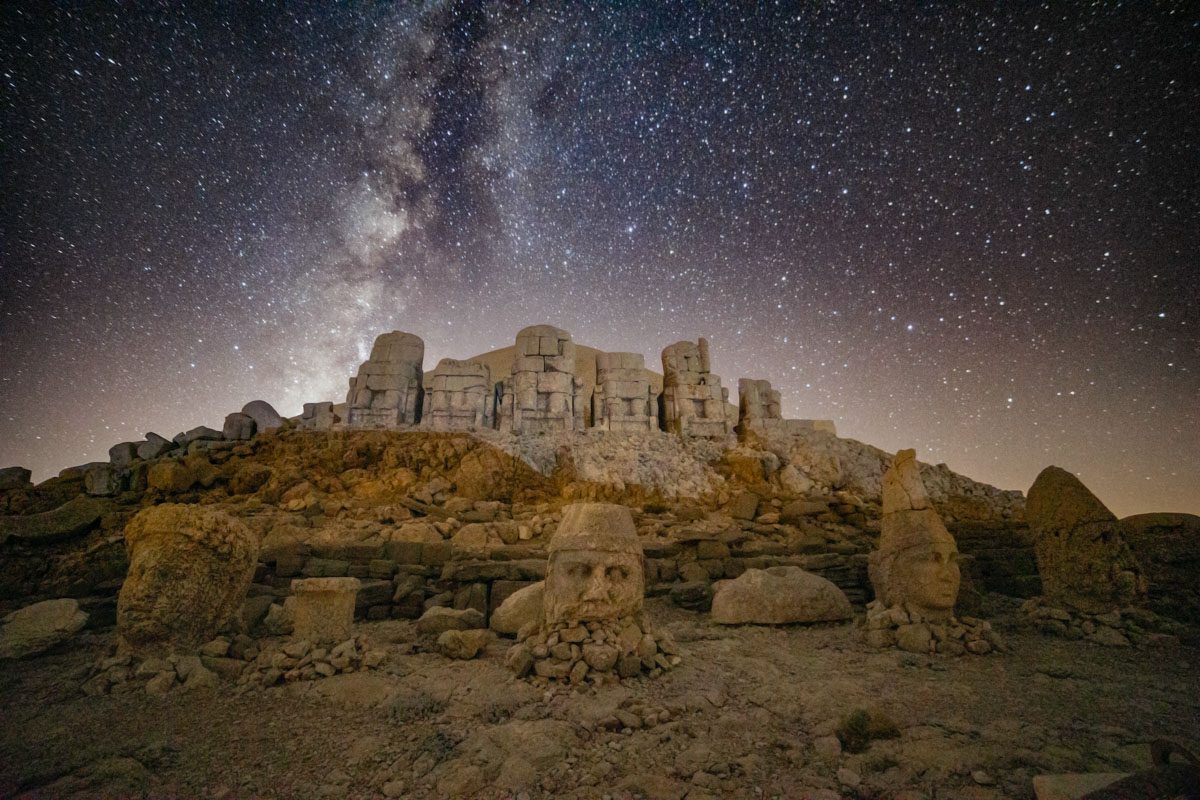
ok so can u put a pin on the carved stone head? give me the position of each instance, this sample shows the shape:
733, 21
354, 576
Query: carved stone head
922, 572
596, 566
916, 564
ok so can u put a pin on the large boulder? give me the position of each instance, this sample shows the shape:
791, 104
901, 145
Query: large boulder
102, 479
438, 620
518, 610
239, 427
265, 417
32, 629
154, 446
189, 570
1082, 557
71, 519
778, 596
1167, 545
14, 478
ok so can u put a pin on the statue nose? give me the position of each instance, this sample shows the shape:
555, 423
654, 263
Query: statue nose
595, 587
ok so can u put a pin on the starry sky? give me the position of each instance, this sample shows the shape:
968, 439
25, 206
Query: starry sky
970, 231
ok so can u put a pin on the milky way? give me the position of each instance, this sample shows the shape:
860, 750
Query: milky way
972, 232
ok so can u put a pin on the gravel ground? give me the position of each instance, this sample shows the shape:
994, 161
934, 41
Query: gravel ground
752, 712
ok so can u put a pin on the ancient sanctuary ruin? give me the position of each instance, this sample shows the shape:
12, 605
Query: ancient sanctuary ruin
544, 392
551, 571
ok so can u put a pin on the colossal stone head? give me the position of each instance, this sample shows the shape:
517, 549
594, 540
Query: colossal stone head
189, 569
916, 564
595, 570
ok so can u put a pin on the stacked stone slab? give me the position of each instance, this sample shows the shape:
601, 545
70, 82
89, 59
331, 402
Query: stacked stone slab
543, 395
693, 400
624, 399
318, 417
460, 396
387, 391
760, 409
758, 403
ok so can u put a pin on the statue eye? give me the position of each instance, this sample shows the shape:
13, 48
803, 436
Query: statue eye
618, 573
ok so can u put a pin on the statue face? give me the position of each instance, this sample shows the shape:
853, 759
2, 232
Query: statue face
927, 576
587, 585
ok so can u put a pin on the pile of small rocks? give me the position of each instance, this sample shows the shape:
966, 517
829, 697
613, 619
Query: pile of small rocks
249, 663
1120, 627
599, 651
303, 661
634, 715
898, 627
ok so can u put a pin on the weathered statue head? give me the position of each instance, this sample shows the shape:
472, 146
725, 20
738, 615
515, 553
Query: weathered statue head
189, 569
596, 566
920, 569
916, 564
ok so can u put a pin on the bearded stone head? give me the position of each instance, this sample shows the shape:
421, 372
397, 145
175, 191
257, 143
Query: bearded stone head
596, 566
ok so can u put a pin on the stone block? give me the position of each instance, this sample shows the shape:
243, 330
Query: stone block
323, 609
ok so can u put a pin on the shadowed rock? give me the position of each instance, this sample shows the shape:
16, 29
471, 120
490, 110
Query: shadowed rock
1082, 557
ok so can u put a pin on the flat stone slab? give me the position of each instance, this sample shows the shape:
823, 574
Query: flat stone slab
70, 519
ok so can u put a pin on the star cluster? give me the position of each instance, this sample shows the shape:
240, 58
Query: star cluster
972, 231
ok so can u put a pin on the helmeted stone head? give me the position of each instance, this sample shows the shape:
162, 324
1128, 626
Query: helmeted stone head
596, 566
916, 564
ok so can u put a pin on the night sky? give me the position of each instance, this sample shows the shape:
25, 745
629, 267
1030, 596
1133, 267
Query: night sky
972, 232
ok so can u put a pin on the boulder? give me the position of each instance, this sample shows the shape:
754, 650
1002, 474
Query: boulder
519, 609
170, 476
438, 619
38, 627
189, 570
67, 521
200, 433
1168, 546
463, 644
102, 479
1083, 560
123, 454
154, 446
14, 478
778, 596
239, 427
744, 506
265, 417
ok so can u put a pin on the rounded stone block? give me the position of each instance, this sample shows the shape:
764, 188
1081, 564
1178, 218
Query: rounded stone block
323, 608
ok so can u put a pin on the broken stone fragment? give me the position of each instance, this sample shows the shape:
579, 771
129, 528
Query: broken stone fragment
239, 427
40, 626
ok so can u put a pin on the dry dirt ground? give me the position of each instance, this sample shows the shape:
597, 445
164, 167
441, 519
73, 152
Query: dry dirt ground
753, 712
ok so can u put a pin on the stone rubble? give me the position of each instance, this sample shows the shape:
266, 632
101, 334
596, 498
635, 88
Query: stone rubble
595, 652
246, 663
